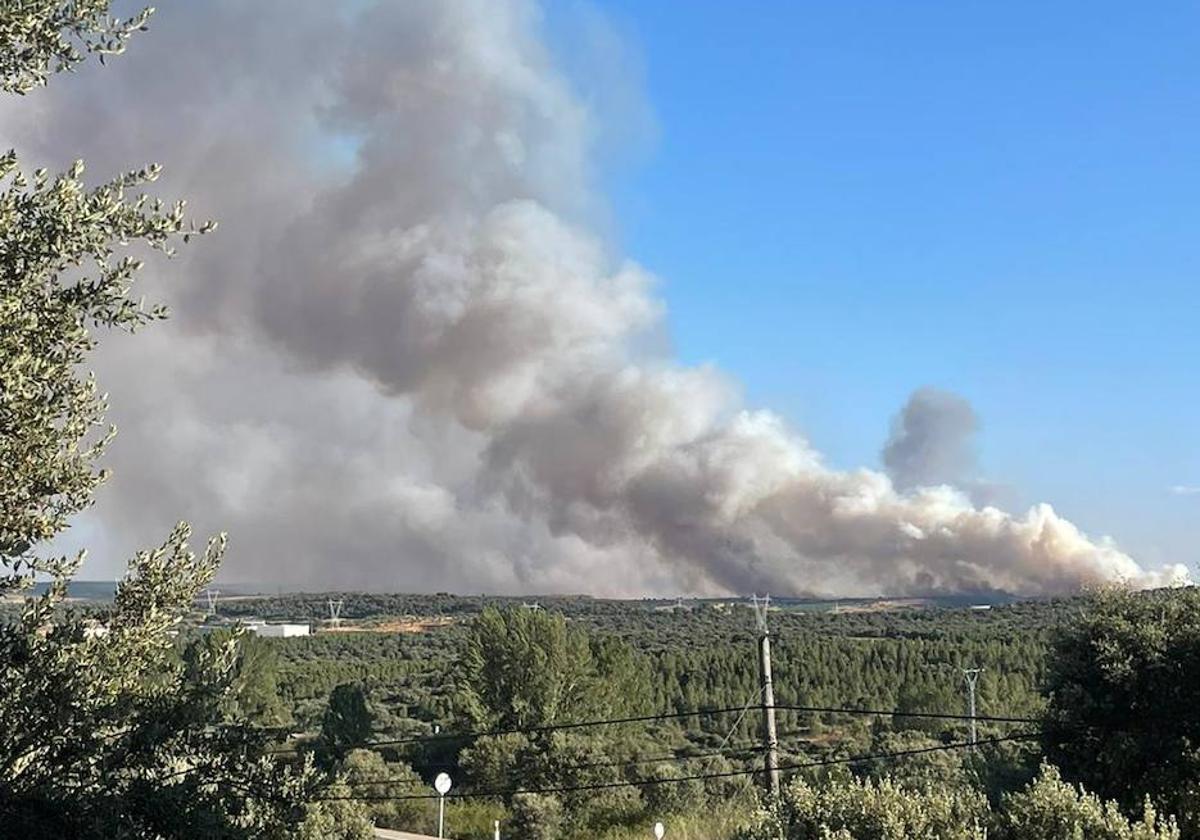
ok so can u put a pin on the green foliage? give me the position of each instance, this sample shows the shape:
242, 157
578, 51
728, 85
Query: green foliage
109, 734
536, 817
58, 276
1125, 689
368, 775
255, 694
336, 816
489, 763
918, 769
527, 668
884, 809
104, 731
42, 37
863, 809
679, 660
348, 721
1051, 809
672, 792
470, 818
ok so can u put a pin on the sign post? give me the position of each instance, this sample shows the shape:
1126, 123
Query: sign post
442, 785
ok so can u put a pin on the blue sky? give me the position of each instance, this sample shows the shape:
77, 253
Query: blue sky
846, 201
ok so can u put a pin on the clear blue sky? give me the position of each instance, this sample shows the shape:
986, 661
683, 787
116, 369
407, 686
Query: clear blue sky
849, 200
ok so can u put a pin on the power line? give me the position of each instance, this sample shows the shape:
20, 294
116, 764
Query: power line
734, 751
689, 778
894, 713
554, 727
731, 752
529, 730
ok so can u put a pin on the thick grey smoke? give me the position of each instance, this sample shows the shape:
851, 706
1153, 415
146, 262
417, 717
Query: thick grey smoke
932, 441
407, 362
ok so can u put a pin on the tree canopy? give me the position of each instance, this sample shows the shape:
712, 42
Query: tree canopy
1124, 685
104, 730
527, 668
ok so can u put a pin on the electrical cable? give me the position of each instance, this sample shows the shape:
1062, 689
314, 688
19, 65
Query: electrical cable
554, 727
688, 778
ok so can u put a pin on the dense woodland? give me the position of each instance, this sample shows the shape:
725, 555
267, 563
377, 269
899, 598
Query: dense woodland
869, 773
644, 658
697, 656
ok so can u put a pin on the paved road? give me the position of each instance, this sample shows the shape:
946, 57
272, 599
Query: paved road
388, 834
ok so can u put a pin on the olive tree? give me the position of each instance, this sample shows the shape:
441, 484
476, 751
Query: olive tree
104, 730
1124, 684
1051, 809
41, 37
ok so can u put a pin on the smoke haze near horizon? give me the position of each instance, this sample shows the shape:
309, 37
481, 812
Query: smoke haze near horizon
409, 358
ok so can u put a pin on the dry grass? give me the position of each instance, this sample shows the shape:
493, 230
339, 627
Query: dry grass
716, 825
408, 624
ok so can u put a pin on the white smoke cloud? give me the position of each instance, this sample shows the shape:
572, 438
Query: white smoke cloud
406, 361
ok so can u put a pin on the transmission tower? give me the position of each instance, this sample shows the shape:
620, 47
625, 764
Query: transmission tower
971, 677
335, 612
210, 596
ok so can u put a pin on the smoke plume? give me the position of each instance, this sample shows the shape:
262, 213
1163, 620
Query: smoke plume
407, 361
932, 441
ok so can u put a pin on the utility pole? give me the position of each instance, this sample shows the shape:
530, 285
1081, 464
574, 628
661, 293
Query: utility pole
335, 612
971, 676
770, 740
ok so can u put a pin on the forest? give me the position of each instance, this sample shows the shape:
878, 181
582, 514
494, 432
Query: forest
695, 656
385, 711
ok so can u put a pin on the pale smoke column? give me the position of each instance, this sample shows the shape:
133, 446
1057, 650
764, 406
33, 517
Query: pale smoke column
410, 363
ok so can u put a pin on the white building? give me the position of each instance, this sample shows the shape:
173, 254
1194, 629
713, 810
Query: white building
278, 631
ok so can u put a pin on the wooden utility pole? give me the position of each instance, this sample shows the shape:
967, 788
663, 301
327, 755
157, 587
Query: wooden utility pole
770, 741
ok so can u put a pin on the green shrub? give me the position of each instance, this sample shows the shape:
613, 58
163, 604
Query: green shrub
536, 817
1051, 809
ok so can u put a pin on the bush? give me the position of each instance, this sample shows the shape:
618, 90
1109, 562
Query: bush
1051, 809
336, 818
370, 776
668, 796
864, 809
867, 809
536, 817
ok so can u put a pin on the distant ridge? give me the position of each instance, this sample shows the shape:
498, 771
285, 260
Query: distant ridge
103, 590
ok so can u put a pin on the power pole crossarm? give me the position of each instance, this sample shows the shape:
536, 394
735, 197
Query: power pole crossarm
770, 740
